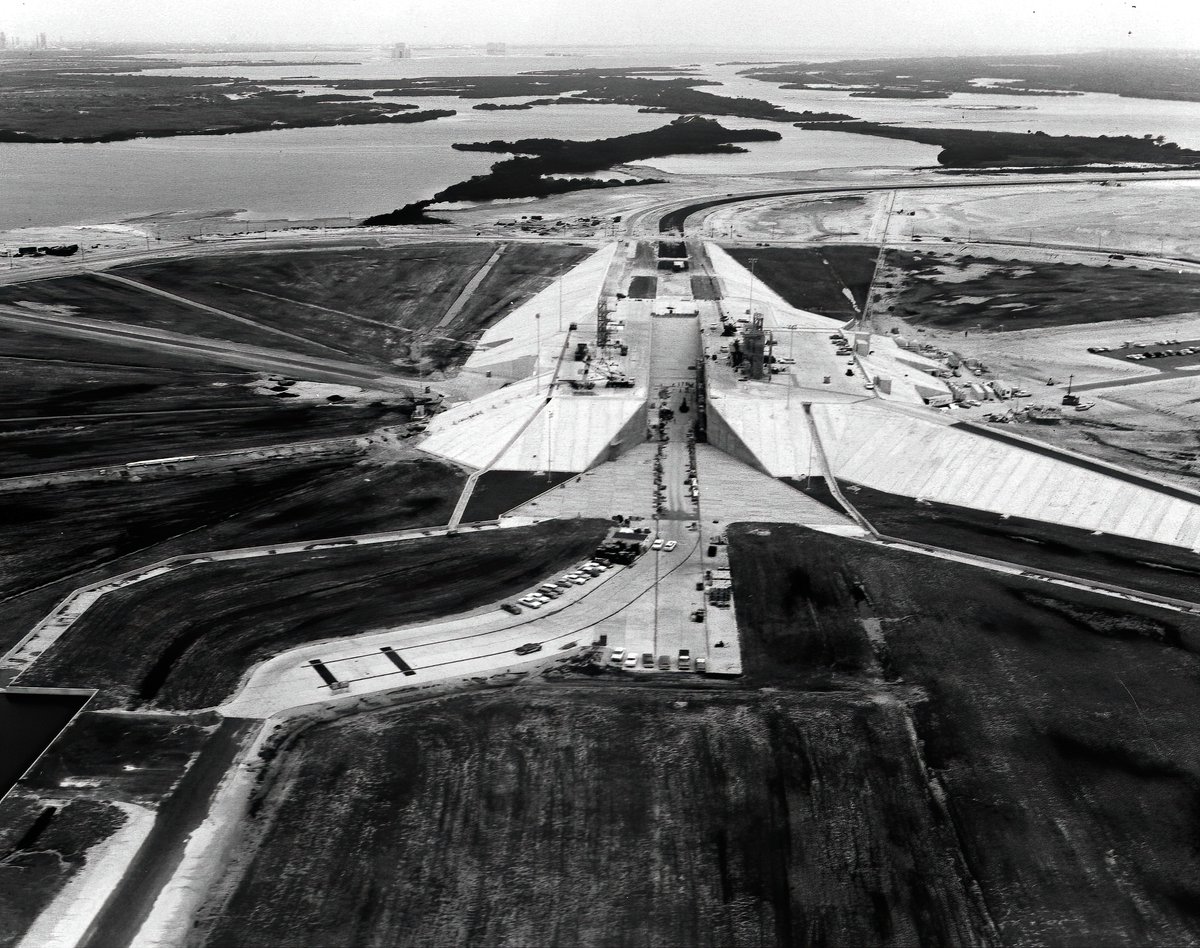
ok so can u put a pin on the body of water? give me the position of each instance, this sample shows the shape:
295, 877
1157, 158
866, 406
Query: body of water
29, 723
355, 171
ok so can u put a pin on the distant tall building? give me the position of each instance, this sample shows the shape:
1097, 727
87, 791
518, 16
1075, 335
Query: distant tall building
401, 51
41, 41
497, 49
3, 41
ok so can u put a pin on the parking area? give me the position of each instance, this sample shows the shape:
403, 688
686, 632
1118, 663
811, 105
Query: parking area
1158, 354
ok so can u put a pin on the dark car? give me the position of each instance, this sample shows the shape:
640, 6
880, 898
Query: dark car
528, 647
509, 607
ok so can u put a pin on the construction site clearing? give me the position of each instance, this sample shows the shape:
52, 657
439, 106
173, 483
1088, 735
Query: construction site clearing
652, 401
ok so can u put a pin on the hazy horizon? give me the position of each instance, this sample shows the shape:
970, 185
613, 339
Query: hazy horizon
870, 26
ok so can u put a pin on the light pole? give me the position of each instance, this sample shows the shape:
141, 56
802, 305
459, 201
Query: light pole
753, 261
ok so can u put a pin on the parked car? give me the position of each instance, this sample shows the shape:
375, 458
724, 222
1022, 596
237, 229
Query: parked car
701, 665
670, 545
509, 607
685, 659
657, 544
664, 662
617, 656
647, 660
631, 660
528, 647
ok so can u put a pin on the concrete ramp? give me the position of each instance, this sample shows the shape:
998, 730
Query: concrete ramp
735, 285
915, 452
474, 432
506, 348
574, 433
904, 454
731, 493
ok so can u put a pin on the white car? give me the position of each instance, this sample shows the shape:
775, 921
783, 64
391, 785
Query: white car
670, 545
530, 602
618, 656
656, 545
631, 660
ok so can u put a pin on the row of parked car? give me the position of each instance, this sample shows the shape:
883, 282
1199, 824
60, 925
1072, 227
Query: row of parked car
1162, 354
548, 592
629, 660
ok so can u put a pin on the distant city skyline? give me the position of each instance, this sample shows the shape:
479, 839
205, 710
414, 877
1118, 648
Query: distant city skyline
872, 25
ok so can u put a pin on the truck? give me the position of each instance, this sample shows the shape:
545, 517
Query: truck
685, 659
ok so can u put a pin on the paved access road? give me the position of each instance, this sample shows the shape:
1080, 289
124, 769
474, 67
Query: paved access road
477, 644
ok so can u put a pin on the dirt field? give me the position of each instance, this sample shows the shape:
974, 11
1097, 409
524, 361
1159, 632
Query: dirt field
578, 815
814, 280
843, 217
1060, 730
1155, 429
967, 292
367, 302
92, 297
183, 640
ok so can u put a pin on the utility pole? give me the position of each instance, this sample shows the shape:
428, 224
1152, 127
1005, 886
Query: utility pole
560, 305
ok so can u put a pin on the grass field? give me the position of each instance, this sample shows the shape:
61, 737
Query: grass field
30, 389
522, 271
93, 297
1060, 728
814, 279
58, 531
968, 292
64, 537
64, 444
369, 303
183, 640
52, 351
498, 491
585, 816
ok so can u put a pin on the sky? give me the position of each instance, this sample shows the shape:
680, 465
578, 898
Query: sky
872, 25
